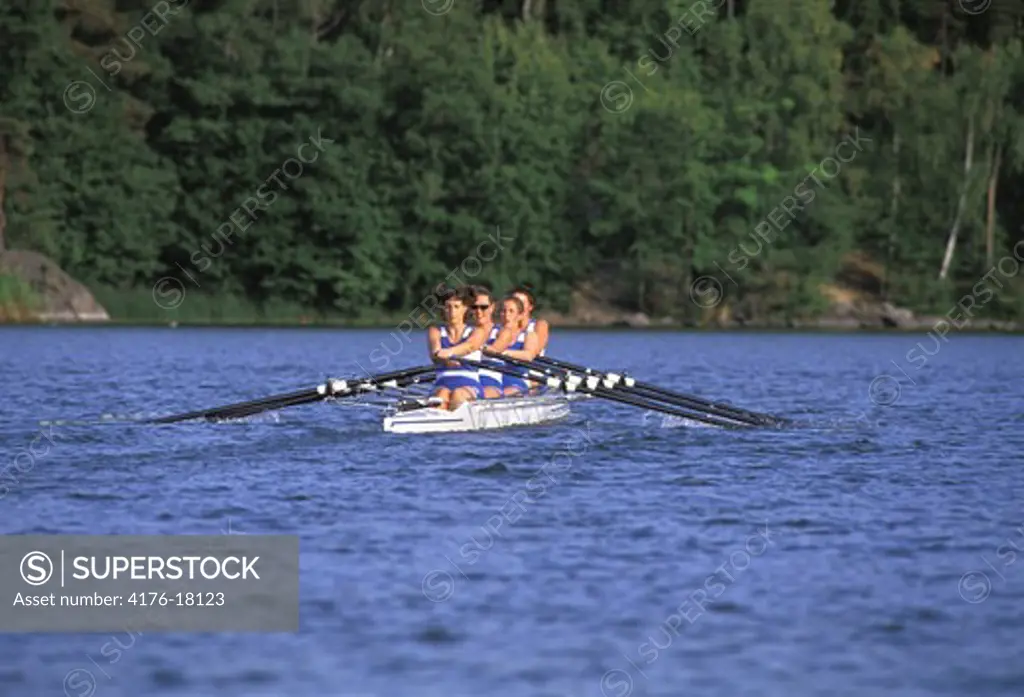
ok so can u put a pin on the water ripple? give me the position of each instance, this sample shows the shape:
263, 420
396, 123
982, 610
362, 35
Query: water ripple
867, 550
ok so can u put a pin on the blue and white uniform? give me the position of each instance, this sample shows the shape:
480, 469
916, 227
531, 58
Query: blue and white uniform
453, 378
531, 328
492, 378
508, 380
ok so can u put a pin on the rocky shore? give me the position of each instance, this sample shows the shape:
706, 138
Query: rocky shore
847, 311
879, 318
52, 295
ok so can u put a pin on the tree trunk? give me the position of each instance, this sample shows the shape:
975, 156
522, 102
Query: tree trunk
961, 204
534, 9
894, 207
990, 223
944, 34
4, 163
730, 8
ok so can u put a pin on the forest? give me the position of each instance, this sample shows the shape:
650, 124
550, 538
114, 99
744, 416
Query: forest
340, 158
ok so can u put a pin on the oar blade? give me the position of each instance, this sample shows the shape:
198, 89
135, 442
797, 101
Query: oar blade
245, 408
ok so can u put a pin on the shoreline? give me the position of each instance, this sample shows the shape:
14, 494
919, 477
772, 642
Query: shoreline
794, 327
35, 292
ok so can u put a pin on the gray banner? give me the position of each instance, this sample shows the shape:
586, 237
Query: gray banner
179, 583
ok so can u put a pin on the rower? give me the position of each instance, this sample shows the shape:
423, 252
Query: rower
532, 325
483, 313
515, 342
482, 308
455, 383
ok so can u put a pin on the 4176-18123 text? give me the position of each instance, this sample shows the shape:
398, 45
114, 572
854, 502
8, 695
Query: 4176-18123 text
150, 599
176, 599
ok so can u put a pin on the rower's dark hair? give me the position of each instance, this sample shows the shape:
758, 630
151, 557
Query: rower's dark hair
527, 290
463, 293
482, 290
443, 292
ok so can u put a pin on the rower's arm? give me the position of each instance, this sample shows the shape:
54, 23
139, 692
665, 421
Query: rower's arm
542, 334
506, 336
472, 343
434, 343
531, 347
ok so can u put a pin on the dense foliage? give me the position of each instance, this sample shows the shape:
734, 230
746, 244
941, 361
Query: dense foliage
630, 147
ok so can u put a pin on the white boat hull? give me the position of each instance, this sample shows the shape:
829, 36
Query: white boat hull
480, 415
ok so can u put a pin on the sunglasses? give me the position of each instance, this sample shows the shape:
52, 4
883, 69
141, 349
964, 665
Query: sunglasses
480, 307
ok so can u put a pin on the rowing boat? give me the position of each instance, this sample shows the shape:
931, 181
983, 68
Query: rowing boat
419, 416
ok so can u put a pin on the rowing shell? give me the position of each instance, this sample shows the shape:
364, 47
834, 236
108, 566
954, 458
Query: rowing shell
478, 415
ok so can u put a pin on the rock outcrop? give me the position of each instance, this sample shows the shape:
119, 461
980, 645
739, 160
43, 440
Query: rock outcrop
57, 296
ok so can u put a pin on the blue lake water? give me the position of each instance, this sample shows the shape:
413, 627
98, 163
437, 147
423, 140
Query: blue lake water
876, 549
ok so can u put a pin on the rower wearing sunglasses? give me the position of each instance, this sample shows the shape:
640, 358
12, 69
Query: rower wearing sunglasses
483, 316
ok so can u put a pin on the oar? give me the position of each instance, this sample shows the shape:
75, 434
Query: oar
336, 389
679, 398
605, 386
573, 385
619, 385
352, 387
629, 385
331, 388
